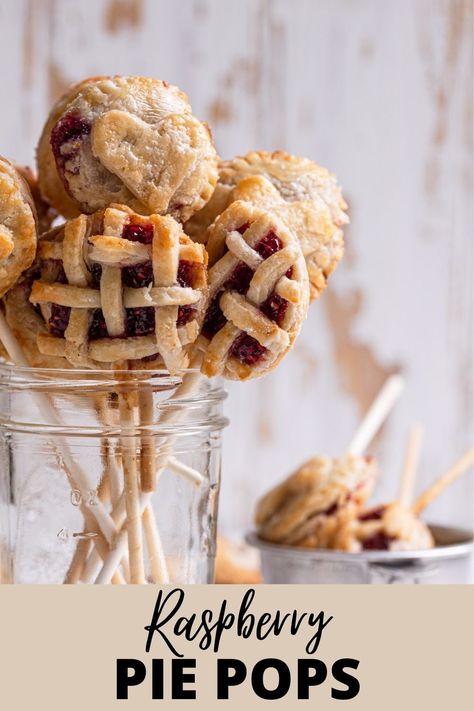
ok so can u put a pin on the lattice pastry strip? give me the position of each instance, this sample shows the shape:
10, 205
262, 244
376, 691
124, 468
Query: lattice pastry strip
136, 290
250, 323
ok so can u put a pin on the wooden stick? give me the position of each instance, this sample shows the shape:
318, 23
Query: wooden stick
376, 415
147, 445
188, 473
158, 567
131, 488
453, 473
188, 386
410, 465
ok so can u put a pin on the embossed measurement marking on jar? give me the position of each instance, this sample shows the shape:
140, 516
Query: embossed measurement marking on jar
90, 498
63, 535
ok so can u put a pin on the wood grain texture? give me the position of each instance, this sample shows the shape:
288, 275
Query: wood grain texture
380, 92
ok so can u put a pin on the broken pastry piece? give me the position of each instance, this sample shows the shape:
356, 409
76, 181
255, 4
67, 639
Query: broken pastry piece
116, 286
308, 508
128, 140
305, 196
258, 293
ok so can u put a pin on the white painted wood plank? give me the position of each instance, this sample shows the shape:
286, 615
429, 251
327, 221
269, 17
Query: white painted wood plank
381, 93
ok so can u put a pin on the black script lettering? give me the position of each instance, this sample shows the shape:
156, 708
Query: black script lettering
246, 621
156, 623
319, 622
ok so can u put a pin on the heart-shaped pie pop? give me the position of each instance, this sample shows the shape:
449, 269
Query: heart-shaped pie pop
128, 140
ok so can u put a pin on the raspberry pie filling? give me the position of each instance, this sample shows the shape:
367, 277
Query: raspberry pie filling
139, 321
377, 542
66, 138
373, 514
245, 348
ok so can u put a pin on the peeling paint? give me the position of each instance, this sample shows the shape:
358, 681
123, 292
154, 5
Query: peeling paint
220, 112
57, 82
360, 371
123, 14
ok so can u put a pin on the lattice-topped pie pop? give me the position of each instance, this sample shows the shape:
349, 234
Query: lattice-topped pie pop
117, 286
387, 527
130, 140
309, 507
18, 228
258, 293
301, 193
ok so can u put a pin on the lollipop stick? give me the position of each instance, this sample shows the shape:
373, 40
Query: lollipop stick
131, 487
188, 386
410, 465
453, 473
376, 415
158, 567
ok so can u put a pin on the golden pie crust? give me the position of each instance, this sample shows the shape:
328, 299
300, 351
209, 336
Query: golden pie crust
18, 227
128, 140
301, 193
309, 507
82, 267
397, 525
258, 288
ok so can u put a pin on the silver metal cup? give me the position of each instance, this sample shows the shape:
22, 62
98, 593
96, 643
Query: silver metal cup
450, 561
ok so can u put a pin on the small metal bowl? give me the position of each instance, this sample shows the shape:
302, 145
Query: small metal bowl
447, 562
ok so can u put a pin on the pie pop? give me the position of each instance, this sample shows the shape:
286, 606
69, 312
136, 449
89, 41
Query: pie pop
116, 286
305, 196
309, 507
258, 293
18, 226
395, 526
153, 270
128, 140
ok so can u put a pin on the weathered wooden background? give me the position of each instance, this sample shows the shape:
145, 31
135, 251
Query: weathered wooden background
380, 92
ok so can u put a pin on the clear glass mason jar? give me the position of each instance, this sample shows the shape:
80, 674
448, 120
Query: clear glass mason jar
108, 476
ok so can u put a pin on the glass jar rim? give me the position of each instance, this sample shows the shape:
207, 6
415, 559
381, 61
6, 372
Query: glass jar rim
70, 383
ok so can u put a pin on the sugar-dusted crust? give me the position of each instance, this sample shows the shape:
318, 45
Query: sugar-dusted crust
275, 282
131, 140
155, 311
303, 194
388, 527
18, 228
308, 508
